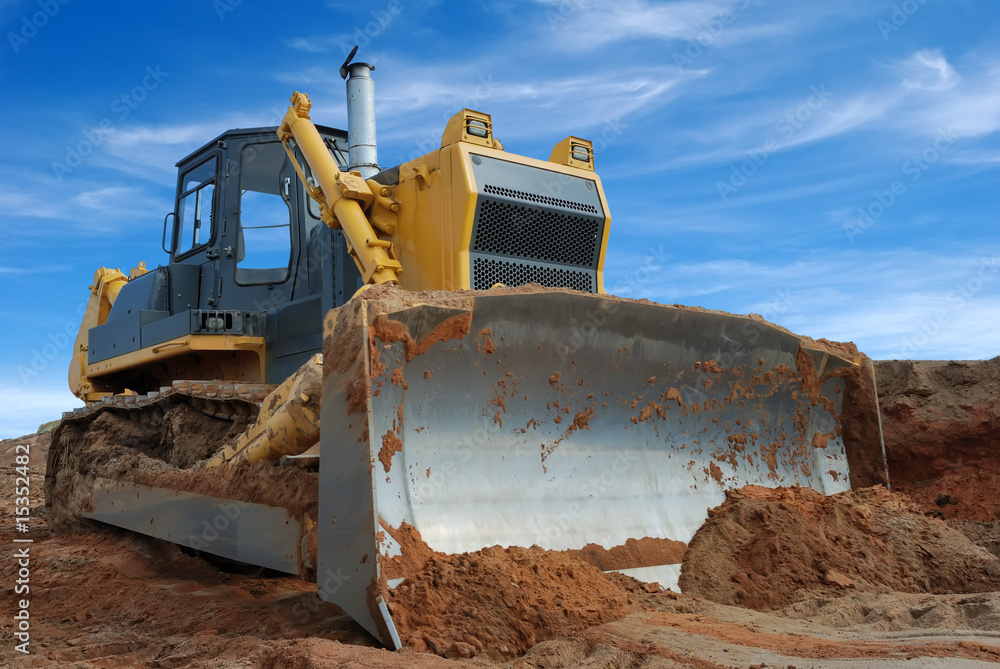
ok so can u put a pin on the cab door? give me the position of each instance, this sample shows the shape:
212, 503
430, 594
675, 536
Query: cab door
195, 235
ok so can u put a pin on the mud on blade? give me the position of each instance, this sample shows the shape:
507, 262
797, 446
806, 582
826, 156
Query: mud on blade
547, 417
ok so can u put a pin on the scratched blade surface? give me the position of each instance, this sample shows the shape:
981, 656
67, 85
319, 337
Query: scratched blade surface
563, 420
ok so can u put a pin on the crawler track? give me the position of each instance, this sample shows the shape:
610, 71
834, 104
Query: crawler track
124, 436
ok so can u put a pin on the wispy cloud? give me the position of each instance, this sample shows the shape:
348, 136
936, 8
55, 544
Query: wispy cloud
93, 209
19, 204
119, 202
583, 25
150, 151
321, 44
967, 102
27, 270
590, 23
928, 70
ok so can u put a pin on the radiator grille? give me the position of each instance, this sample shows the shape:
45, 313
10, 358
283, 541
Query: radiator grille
537, 234
540, 199
489, 271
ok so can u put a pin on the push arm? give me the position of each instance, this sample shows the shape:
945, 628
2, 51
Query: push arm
342, 197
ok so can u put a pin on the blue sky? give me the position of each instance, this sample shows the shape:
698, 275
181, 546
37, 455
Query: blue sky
832, 166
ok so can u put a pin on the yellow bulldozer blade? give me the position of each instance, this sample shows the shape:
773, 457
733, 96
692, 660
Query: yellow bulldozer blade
548, 417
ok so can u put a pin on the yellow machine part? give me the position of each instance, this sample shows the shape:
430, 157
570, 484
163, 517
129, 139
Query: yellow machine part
249, 367
437, 196
288, 423
427, 217
103, 293
340, 195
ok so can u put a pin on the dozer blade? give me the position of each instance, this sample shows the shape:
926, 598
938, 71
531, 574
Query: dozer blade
548, 417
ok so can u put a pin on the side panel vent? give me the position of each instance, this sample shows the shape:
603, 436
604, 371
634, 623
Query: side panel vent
489, 271
534, 225
536, 234
540, 199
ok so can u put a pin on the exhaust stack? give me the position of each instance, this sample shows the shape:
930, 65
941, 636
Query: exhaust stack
362, 152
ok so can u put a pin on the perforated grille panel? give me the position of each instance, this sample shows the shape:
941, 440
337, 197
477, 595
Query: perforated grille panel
541, 199
535, 233
489, 271
534, 225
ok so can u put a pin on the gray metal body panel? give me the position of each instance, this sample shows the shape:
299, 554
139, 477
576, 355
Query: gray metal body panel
251, 533
184, 283
166, 329
149, 291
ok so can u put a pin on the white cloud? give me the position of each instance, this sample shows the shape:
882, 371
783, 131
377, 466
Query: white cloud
151, 151
966, 104
929, 70
23, 203
582, 25
974, 157
33, 269
843, 117
119, 202
926, 97
92, 208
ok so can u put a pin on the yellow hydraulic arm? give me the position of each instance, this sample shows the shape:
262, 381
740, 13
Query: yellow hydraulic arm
342, 197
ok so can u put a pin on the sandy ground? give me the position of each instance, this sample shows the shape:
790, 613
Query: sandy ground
883, 579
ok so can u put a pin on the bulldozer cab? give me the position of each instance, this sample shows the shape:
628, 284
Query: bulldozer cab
243, 219
249, 258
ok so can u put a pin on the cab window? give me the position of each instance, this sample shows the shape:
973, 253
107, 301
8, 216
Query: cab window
195, 208
264, 238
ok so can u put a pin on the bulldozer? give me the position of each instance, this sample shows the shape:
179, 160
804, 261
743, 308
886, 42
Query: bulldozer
340, 364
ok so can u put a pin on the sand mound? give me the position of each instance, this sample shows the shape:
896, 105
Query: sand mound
501, 602
766, 548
